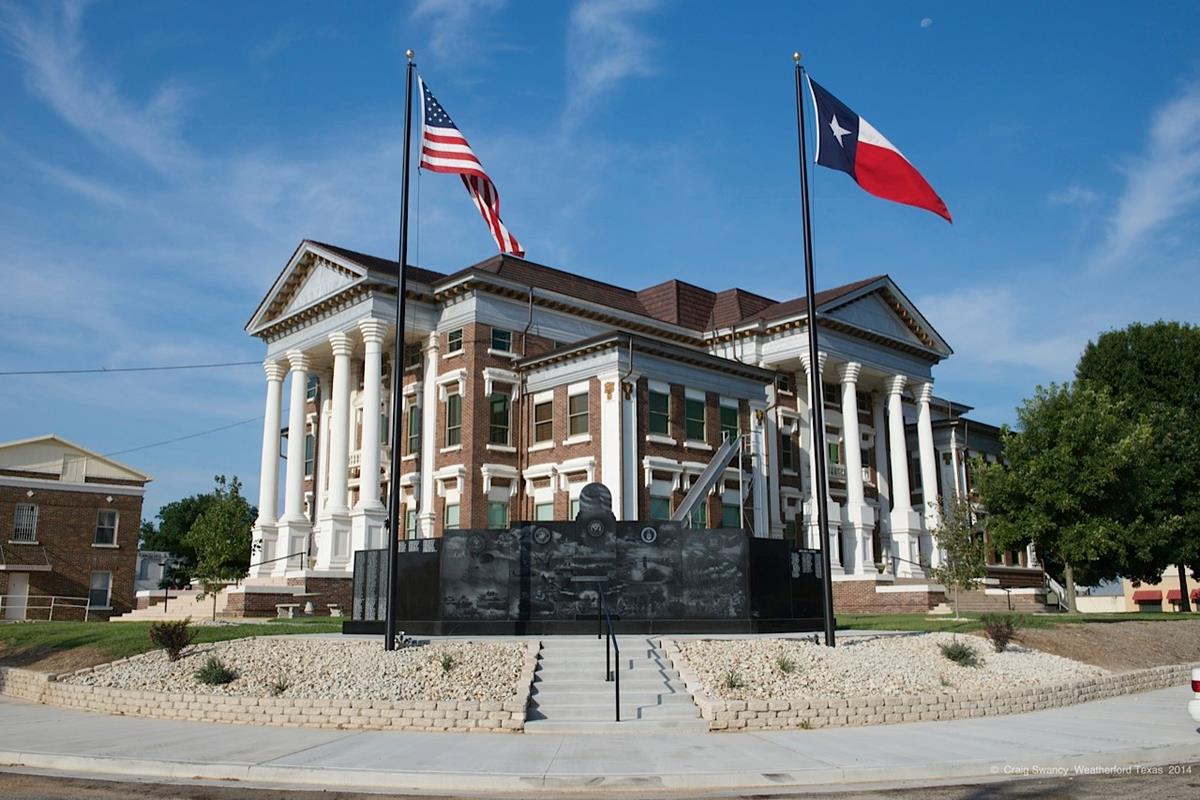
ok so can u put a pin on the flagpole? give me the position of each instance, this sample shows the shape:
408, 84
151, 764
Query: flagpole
389, 634
819, 484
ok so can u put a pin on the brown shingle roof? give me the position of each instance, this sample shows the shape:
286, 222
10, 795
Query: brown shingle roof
679, 303
540, 276
377, 264
799, 305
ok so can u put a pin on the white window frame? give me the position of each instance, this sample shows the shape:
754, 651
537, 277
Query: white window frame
585, 435
115, 527
31, 515
450, 348
107, 589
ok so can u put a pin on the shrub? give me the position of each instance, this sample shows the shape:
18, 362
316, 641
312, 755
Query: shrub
731, 680
1000, 629
447, 662
785, 665
215, 673
960, 653
280, 685
174, 636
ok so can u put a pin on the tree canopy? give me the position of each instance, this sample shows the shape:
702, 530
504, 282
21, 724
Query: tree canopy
220, 536
175, 521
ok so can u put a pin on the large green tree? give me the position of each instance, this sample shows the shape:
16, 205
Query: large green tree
1155, 368
221, 538
1066, 482
175, 520
965, 562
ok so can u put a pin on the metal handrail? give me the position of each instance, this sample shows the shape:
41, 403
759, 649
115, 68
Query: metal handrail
280, 558
56, 601
611, 648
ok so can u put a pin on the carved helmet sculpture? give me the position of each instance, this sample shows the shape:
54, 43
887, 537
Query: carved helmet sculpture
595, 510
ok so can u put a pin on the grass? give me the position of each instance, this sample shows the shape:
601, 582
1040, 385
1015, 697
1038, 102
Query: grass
972, 622
116, 640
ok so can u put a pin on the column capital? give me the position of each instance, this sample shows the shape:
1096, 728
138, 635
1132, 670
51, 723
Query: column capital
299, 360
896, 384
821, 359
373, 331
342, 344
850, 371
924, 392
275, 370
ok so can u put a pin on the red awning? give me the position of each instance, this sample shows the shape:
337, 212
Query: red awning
1147, 596
1195, 595
1174, 595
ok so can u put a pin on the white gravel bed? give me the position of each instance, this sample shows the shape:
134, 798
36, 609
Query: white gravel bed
325, 669
871, 665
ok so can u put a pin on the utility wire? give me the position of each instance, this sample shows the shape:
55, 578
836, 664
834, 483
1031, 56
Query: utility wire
127, 369
183, 438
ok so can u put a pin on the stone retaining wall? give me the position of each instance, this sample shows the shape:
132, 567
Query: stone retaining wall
733, 715
421, 715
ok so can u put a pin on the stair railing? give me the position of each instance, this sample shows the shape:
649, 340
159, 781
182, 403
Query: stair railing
612, 650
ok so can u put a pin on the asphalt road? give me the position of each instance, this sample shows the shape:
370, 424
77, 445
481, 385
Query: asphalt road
1173, 782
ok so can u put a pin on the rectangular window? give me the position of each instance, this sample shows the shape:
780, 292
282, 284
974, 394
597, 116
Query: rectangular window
414, 430
25, 523
835, 452
454, 341
574, 509
498, 432
310, 451
787, 457
502, 340
660, 508
698, 517
410, 524
577, 415
694, 419
497, 515
384, 438
543, 421
453, 420
100, 590
783, 383
450, 518
864, 402
412, 356
106, 526
729, 422
731, 515
543, 512
660, 413
310, 387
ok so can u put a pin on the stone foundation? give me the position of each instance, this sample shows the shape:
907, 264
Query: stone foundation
871, 597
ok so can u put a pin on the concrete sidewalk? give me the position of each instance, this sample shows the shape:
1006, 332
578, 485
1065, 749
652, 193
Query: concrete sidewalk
1151, 728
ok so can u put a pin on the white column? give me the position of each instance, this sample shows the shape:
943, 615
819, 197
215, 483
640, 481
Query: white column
859, 516
427, 517
904, 523
339, 439
878, 421
929, 467
817, 439
771, 435
758, 481
628, 510
610, 466
373, 331
268, 474
293, 500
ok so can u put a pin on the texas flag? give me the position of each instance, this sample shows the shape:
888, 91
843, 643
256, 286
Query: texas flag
848, 142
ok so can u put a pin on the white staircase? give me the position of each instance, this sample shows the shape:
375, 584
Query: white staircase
570, 694
182, 603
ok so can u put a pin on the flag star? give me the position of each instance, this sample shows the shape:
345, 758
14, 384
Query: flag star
838, 130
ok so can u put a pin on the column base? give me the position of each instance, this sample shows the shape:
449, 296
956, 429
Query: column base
366, 529
293, 543
331, 541
861, 525
265, 534
425, 523
906, 541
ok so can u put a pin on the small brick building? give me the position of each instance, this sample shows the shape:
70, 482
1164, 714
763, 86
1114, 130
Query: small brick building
69, 521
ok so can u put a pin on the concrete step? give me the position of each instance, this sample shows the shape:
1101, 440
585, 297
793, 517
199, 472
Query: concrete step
603, 713
605, 691
596, 678
609, 726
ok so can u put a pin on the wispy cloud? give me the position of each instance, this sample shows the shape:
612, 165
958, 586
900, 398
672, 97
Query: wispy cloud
1163, 183
79, 93
1073, 195
604, 47
456, 26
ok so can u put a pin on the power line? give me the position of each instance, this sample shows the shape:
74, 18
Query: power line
127, 369
189, 436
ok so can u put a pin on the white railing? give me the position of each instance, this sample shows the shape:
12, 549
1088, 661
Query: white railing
1059, 592
24, 536
44, 602
355, 459
837, 472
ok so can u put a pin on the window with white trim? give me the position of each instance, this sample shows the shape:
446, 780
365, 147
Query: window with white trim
450, 518
577, 415
543, 421
453, 419
25, 523
574, 512
500, 409
660, 508
787, 458
414, 430
693, 413
410, 523
731, 515
497, 515
501, 340
543, 512
454, 341
310, 450
697, 518
729, 422
659, 417
106, 526
100, 590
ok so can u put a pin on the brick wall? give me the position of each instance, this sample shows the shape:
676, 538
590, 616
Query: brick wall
66, 531
860, 597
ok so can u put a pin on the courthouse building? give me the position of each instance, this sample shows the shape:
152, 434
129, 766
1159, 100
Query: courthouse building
520, 383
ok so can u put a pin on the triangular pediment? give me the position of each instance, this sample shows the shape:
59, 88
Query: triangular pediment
58, 459
881, 308
873, 313
311, 276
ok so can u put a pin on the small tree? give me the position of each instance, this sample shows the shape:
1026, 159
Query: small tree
220, 538
965, 563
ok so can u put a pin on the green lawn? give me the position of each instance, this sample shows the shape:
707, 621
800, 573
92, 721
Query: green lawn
121, 639
971, 622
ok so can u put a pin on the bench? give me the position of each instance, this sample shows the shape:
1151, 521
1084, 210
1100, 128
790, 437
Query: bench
286, 610
335, 610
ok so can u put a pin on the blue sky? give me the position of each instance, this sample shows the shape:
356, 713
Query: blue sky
161, 161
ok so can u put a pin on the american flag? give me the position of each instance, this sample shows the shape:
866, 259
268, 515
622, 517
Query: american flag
445, 149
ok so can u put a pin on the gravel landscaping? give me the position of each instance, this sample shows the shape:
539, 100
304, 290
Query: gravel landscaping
326, 669
790, 669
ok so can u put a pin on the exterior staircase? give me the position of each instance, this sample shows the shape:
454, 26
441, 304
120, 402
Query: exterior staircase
570, 694
182, 603
981, 601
